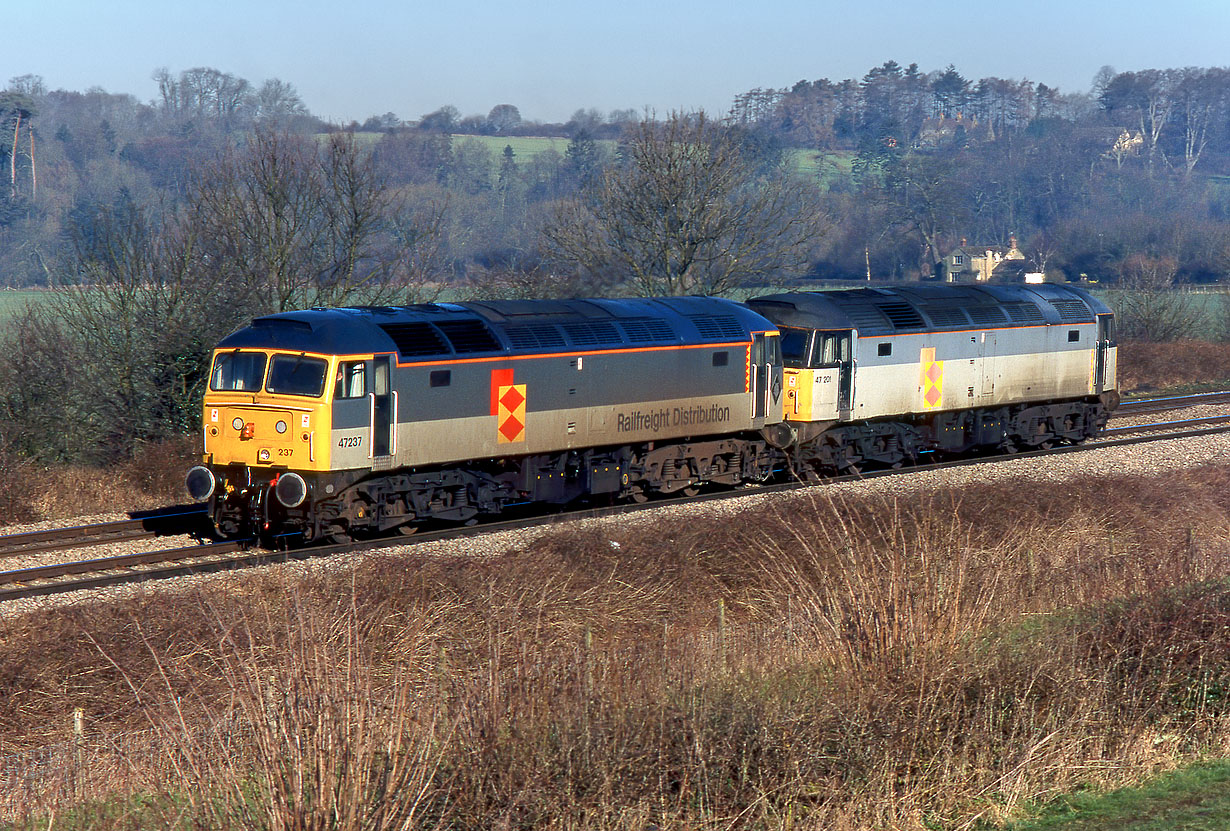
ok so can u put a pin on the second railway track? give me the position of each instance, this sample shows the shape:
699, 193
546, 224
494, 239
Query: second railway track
179, 519
100, 572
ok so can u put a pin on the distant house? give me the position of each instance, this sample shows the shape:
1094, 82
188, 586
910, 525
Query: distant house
984, 263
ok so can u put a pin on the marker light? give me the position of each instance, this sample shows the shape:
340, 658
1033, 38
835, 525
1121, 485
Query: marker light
248, 431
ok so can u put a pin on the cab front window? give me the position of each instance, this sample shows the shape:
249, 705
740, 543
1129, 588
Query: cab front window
796, 347
297, 375
238, 372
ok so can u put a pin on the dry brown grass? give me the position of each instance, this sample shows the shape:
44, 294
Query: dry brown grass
829, 663
154, 478
1177, 364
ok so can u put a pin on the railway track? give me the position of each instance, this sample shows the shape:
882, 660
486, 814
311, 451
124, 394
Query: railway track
178, 519
101, 572
1161, 404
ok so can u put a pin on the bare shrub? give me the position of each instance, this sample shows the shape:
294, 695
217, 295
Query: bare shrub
20, 485
1149, 306
314, 732
832, 662
1144, 365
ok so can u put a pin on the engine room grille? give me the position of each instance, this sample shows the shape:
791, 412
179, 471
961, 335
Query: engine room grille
947, 316
1072, 311
534, 336
594, 333
866, 319
718, 327
648, 329
901, 315
986, 315
416, 339
468, 336
1024, 313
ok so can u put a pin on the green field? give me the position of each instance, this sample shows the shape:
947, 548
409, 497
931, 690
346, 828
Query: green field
1195, 798
14, 301
524, 147
824, 167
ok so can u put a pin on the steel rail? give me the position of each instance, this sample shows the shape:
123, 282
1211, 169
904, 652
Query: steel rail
173, 520
124, 567
169, 563
1140, 406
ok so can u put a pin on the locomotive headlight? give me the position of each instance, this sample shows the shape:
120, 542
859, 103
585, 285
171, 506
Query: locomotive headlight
280, 427
237, 423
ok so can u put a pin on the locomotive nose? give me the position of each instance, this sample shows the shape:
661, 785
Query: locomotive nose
200, 482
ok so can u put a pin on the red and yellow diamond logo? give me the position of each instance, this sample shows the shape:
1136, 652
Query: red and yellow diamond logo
932, 381
510, 415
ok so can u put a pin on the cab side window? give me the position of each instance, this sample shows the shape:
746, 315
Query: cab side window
351, 380
831, 348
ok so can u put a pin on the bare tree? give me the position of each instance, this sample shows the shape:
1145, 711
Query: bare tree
1149, 96
1201, 99
288, 224
689, 212
503, 117
1148, 304
278, 101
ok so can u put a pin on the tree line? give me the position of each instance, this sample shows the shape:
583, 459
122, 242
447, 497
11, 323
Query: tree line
904, 164
279, 221
168, 223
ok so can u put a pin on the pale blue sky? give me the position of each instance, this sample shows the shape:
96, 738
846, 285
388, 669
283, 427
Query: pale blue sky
350, 60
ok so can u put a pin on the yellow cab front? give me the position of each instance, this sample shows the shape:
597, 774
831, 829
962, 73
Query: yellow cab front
267, 409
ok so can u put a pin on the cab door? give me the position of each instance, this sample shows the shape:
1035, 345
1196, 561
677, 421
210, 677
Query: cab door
1106, 337
383, 402
833, 378
765, 376
761, 372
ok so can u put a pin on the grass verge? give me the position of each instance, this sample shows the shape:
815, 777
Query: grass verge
1194, 798
933, 660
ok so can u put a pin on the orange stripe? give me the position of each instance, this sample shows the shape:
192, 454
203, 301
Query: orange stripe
489, 359
971, 331
633, 350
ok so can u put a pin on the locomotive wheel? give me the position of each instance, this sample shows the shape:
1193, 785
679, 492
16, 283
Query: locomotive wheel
690, 491
638, 496
336, 535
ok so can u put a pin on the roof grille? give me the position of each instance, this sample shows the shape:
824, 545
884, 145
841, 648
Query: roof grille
534, 336
865, 318
1024, 313
647, 329
468, 336
947, 316
718, 327
1072, 311
416, 339
986, 315
902, 315
593, 333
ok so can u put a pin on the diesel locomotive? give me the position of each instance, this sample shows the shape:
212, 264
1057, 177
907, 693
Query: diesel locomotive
331, 423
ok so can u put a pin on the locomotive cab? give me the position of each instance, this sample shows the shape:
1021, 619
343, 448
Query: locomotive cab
264, 413
819, 373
